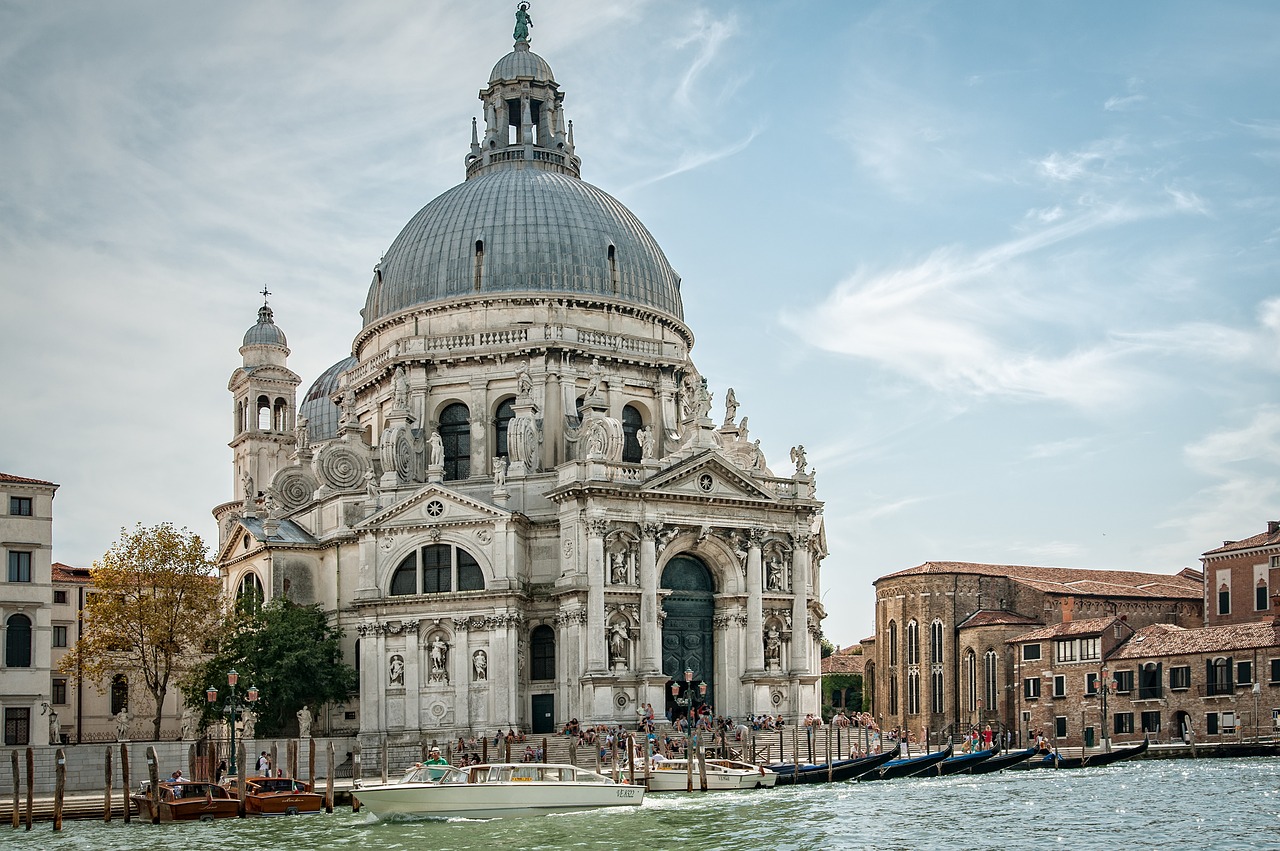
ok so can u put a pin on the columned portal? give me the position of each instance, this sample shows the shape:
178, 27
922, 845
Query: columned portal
687, 638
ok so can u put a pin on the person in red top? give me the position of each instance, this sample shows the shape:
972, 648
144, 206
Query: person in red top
986, 737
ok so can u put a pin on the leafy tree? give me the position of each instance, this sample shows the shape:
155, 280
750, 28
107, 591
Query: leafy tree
289, 652
827, 648
155, 601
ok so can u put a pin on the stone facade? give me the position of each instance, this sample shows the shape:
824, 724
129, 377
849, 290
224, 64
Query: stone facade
26, 608
513, 498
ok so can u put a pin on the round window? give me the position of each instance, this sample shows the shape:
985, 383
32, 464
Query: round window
706, 482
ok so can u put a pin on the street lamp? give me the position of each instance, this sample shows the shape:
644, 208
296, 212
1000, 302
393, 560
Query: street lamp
232, 708
685, 695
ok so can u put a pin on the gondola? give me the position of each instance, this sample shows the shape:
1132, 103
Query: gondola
842, 769
906, 767
958, 763
1001, 762
1052, 760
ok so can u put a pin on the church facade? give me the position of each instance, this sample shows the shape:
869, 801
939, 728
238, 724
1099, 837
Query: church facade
512, 495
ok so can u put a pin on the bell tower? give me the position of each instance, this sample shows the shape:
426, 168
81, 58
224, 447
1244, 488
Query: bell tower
264, 406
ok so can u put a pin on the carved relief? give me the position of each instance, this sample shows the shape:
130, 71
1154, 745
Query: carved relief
340, 467
294, 487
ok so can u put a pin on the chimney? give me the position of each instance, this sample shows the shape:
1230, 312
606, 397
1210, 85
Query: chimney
1273, 526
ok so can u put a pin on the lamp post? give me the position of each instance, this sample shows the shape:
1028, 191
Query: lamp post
686, 696
232, 708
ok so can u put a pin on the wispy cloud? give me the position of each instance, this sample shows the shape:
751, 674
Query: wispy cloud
708, 34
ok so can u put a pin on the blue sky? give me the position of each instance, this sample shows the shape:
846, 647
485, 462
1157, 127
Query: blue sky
1008, 270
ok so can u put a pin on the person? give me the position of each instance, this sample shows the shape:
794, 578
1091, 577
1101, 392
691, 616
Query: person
264, 764
986, 737
434, 758
219, 771
175, 779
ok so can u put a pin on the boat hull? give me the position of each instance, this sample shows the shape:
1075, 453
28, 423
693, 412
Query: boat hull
494, 800
906, 767
673, 776
203, 805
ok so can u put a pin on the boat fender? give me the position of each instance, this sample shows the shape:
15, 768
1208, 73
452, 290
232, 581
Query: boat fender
206, 818
292, 811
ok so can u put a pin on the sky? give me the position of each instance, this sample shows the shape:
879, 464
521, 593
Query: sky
1007, 270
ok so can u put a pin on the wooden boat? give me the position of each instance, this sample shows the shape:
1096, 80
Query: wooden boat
843, 769
187, 800
958, 763
1001, 762
907, 767
672, 775
1052, 760
494, 790
275, 796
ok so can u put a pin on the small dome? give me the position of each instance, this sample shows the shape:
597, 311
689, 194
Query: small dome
520, 63
265, 332
322, 415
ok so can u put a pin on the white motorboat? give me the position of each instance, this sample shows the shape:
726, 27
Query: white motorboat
672, 775
494, 790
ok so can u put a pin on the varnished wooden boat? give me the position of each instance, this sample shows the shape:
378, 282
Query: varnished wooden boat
187, 800
275, 796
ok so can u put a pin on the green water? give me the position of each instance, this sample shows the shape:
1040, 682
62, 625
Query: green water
1166, 805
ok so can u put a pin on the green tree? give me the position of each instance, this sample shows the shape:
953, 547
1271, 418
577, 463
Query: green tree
827, 648
289, 652
155, 599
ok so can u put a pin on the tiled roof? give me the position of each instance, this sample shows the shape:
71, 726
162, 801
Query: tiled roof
844, 662
1070, 580
1271, 537
997, 617
288, 532
1169, 640
1090, 626
66, 573
22, 480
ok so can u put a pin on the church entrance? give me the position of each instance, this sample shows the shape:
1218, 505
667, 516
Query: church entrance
687, 638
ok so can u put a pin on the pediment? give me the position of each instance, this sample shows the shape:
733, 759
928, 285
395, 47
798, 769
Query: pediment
432, 505
709, 476
234, 545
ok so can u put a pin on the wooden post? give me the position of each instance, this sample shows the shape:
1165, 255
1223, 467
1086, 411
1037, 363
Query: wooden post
311, 763
573, 750
385, 761
241, 786
271, 769
191, 763
545, 753
795, 753
31, 785
484, 749
17, 783
613, 759
506, 743
124, 781
595, 746
648, 758
702, 761
59, 787
106, 794
631, 760
828, 754
291, 749
328, 782
356, 776
688, 764
153, 771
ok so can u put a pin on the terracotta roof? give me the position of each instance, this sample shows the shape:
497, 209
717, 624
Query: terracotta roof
66, 573
22, 480
1089, 626
1271, 537
1070, 580
996, 617
844, 662
1169, 640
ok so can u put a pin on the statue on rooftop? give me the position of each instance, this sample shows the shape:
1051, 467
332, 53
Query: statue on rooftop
523, 22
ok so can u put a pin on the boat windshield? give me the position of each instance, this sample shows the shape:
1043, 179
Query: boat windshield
434, 774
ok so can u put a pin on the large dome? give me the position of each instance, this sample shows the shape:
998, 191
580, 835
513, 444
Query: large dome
523, 230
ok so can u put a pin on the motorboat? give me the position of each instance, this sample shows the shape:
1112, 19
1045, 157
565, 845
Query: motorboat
185, 800
495, 790
672, 775
275, 796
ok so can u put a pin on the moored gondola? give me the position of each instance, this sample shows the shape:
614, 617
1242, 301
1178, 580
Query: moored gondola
1052, 760
958, 763
907, 767
1001, 762
843, 769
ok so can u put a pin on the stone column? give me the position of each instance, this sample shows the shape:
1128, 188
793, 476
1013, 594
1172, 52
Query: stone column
800, 604
649, 634
597, 663
755, 606
552, 421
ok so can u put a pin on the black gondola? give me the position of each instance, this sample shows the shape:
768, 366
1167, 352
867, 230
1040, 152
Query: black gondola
958, 763
1052, 760
843, 769
1001, 762
906, 767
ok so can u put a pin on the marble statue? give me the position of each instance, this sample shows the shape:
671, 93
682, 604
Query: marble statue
645, 436
773, 574
499, 473
730, 407
524, 382
618, 643
702, 401
248, 723
436, 448
304, 723
246, 483
401, 385
618, 568
480, 663
797, 456
397, 670
594, 376
439, 654
122, 719
773, 645
371, 485
301, 433
55, 729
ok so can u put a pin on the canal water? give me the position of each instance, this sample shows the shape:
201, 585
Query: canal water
1166, 804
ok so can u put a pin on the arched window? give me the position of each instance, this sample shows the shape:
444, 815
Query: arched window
249, 596
119, 693
17, 642
913, 692
264, 414
1261, 601
869, 684
989, 678
971, 678
935, 642
913, 643
501, 423
280, 416
893, 693
479, 271
613, 270
239, 417
632, 422
455, 433
444, 567
893, 643
837, 698
542, 653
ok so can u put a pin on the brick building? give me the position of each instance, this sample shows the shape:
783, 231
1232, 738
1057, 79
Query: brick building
1240, 576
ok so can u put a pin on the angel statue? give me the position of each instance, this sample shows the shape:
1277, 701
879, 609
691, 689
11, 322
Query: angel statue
797, 456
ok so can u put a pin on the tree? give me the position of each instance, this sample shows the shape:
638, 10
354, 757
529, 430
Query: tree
289, 652
827, 648
155, 601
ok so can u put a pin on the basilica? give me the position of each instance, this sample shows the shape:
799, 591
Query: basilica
513, 495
